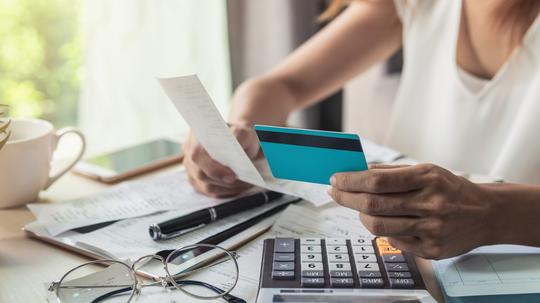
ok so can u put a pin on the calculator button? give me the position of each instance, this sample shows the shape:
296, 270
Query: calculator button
401, 283
338, 258
393, 258
312, 273
341, 282
365, 258
367, 266
311, 257
363, 249
360, 241
312, 282
310, 248
338, 249
283, 266
282, 275
369, 274
310, 241
335, 241
340, 274
385, 250
396, 266
284, 245
311, 266
281, 257
399, 274
382, 242
339, 266
371, 282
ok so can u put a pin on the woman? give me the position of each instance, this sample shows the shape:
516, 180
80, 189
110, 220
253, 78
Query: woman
469, 100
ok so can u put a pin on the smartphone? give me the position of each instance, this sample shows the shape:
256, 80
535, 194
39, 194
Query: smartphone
130, 162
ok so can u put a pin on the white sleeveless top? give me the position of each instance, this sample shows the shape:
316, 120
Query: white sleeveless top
487, 128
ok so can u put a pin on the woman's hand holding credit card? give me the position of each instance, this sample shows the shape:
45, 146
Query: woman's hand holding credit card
421, 208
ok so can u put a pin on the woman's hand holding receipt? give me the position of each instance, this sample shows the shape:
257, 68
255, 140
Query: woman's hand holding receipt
210, 177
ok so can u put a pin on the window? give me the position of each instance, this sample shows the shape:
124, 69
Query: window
40, 58
94, 63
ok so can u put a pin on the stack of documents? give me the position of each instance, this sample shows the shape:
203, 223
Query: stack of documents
164, 192
127, 211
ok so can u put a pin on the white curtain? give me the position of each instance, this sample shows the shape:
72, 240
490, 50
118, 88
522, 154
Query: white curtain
128, 43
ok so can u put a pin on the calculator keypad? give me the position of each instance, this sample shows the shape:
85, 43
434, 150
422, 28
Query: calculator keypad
341, 263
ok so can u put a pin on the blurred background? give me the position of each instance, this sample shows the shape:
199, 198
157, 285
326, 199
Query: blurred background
93, 63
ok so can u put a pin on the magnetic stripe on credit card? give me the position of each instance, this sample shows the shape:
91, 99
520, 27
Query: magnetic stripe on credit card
310, 140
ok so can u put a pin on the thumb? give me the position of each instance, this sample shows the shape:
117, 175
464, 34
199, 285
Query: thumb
249, 142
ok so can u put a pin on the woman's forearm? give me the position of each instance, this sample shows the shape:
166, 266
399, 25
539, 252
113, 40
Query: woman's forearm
261, 100
366, 33
515, 214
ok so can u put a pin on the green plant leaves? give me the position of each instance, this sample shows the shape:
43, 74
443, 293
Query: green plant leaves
4, 125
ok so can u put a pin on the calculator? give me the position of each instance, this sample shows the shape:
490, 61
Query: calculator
338, 270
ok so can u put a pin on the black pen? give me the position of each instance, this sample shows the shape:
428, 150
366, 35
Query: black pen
187, 223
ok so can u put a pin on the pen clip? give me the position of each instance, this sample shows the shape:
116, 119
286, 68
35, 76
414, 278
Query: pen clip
163, 236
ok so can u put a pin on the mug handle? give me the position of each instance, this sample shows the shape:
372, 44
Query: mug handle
57, 136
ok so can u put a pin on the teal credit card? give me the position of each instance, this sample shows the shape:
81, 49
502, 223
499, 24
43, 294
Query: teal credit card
310, 155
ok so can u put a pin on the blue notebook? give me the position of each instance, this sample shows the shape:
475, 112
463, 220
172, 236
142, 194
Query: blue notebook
494, 274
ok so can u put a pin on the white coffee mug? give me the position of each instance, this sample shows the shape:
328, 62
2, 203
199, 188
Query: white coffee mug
25, 160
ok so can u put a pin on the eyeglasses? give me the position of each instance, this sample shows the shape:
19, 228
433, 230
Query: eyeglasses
213, 273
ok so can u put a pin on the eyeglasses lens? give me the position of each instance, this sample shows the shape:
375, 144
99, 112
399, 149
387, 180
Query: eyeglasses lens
203, 271
85, 285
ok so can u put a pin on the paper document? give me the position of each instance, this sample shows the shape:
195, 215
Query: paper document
376, 153
491, 270
333, 221
131, 199
129, 239
193, 103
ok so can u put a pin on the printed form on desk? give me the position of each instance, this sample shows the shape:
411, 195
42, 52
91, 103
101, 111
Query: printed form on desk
168, 191
129, 239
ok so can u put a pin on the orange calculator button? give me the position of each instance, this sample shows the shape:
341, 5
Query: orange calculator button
382, 241
387, 250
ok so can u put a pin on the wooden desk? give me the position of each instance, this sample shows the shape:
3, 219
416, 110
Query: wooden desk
26, 264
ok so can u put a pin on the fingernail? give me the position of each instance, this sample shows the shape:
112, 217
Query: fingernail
333, 180
229, 179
